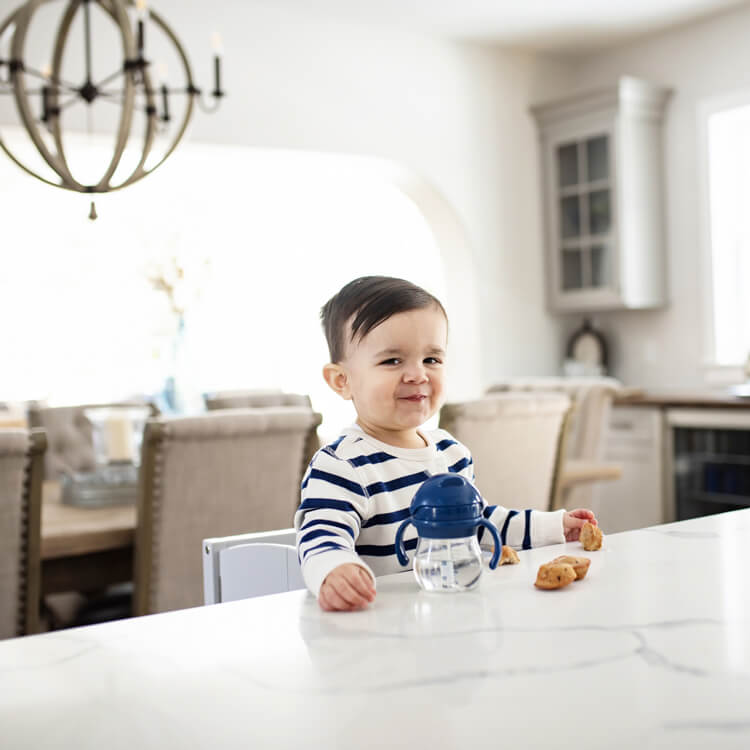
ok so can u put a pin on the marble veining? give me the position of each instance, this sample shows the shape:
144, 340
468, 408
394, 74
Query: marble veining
651, 650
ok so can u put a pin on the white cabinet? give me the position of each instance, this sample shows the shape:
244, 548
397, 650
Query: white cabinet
635, 441
602, 170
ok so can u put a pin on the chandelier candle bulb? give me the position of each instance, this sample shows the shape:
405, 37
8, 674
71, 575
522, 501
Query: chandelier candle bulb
217, 76
140, 37
165, 103
140, 8
45, 103
218, 49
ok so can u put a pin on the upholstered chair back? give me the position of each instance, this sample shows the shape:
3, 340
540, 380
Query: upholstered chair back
70, 442
260, 399
515, 440
254, 399
592, 399
592, 402
21, 469
219, 473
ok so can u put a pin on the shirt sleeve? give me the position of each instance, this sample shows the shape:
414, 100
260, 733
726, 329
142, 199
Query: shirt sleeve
524, 529
329, 518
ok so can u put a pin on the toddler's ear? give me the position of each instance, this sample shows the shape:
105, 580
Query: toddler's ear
337, 379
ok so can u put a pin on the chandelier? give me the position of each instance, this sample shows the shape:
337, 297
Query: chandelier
146, 115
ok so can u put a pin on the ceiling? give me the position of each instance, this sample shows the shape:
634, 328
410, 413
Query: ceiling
560, 26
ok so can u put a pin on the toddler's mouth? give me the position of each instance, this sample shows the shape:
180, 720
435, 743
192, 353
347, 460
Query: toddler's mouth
415, 397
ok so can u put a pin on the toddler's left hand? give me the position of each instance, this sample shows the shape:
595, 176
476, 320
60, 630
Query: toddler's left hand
573, 520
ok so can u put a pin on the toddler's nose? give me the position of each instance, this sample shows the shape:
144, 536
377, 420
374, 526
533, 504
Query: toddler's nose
415, 373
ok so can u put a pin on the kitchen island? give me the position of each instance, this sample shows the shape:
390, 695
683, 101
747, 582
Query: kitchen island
650, 650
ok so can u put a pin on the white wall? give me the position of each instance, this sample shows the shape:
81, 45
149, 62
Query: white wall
667, 347
454, 114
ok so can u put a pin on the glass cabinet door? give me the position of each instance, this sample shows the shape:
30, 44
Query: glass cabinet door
584, 208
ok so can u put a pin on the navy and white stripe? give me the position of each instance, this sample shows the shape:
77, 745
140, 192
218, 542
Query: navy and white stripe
357, 491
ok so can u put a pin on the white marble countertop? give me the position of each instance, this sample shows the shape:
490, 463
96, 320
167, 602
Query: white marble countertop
651, 650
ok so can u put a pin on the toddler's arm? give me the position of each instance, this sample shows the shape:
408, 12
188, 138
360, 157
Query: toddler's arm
329, 520
524, 529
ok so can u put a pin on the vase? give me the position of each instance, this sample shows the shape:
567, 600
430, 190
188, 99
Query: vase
173, 396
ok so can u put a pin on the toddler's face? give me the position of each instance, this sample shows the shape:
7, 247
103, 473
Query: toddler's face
395, 374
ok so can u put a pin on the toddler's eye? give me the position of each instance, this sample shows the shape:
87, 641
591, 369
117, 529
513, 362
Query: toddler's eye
391, 361
432, 361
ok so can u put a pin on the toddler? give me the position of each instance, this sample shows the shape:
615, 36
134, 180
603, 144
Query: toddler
387, 340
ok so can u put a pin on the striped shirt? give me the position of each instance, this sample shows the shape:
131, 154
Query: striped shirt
357, 491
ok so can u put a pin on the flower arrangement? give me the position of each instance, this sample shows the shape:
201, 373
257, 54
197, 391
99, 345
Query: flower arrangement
179, 279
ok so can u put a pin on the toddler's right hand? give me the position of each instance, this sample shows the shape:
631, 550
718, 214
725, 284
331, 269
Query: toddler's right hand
347, 587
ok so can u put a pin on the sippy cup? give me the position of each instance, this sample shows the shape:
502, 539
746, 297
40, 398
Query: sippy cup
446, 511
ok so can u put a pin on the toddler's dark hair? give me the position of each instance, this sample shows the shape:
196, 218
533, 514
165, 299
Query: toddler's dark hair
370, 300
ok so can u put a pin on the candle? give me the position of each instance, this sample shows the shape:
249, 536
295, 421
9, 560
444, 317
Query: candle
217, 76
48, 111
118, 437
218, 49
161, 73
140, 37
165, 103
46, 91
141, 9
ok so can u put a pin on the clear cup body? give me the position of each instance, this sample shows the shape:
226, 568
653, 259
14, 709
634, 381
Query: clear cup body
448, 564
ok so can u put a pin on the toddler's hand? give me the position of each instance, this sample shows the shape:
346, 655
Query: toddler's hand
573, 520
346, 588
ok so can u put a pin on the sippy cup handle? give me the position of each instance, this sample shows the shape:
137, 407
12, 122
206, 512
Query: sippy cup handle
400, 549
496, 537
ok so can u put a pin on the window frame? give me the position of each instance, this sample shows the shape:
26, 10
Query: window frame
715, 372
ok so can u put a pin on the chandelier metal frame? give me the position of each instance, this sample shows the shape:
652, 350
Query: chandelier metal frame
57, 94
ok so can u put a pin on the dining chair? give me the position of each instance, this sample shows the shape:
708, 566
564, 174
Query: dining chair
583, 462
254, 399
21, 472
242, 566
516, 441
69, 435
211, 475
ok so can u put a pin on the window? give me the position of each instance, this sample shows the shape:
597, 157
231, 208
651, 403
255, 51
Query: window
263, 237
727, 131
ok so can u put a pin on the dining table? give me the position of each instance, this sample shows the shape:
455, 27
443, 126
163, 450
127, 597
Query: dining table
84, 548
651, 649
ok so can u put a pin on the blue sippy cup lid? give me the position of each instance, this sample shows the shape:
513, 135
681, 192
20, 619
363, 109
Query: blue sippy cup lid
446, 506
